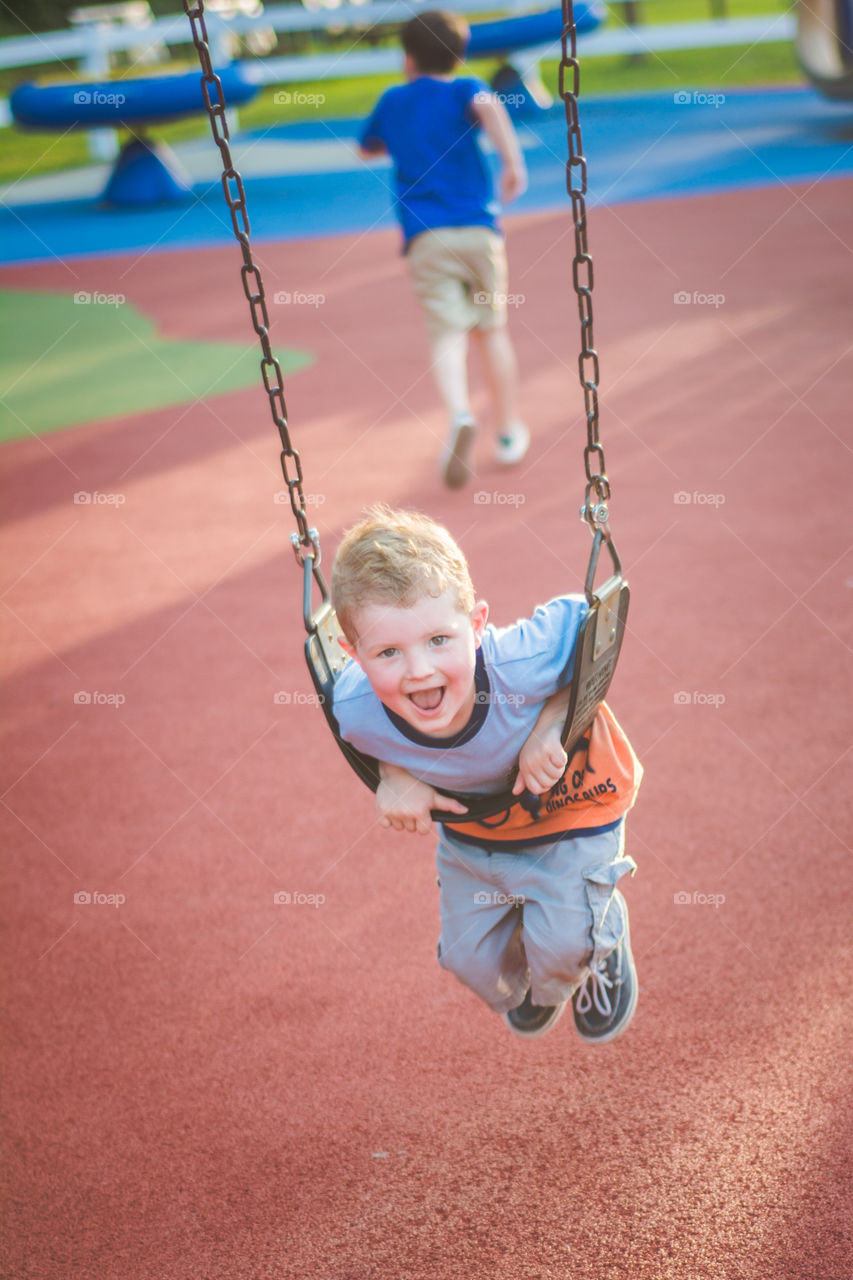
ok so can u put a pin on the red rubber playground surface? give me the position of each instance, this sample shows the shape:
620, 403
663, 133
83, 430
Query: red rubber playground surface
204, 1083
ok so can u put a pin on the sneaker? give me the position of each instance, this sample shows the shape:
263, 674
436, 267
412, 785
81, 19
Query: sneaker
530, 1020
455, 470
604, 1004
512, 447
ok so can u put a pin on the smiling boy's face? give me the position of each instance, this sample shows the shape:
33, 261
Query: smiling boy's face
420, 660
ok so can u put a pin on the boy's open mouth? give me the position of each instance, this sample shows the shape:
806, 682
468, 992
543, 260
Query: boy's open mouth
428, 699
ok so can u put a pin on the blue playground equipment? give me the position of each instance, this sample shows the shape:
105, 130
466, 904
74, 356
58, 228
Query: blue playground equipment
825, 45
518, 80
146, 172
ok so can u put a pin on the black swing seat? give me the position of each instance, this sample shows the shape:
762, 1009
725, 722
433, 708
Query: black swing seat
596, 652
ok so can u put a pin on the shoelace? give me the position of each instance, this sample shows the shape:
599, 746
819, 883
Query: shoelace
600, 984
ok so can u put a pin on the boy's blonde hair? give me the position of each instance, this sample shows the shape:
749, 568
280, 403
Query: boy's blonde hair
396, 557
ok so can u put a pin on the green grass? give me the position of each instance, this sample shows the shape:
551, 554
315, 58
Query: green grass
28, 154
90, 336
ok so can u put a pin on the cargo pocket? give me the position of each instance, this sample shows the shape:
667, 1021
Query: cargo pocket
608, 907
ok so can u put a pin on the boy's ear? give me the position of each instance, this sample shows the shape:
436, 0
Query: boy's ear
348, 648
479, 618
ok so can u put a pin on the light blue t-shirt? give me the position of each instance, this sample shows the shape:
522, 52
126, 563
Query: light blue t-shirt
518, 668
441, 175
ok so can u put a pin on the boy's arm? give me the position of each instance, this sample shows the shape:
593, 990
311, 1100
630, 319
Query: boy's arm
493, 116
371, 143
543, 761
404, 801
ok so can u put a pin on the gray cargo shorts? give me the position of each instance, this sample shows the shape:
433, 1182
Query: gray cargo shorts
534, 919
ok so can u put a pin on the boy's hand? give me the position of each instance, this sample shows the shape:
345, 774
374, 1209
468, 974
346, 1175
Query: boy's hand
542, 762
492, 115
513, 182
404, 802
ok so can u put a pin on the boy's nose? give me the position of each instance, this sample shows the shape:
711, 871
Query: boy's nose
420, 665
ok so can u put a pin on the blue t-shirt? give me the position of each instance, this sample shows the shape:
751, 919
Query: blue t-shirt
518, 668
441, 175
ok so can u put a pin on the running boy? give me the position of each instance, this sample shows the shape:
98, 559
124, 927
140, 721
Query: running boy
446, 204
530, 913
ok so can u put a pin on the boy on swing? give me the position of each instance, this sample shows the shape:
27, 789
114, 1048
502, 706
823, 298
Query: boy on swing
530, 913
446, 204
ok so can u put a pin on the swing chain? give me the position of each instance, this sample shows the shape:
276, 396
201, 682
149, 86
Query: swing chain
305, 542
597, 492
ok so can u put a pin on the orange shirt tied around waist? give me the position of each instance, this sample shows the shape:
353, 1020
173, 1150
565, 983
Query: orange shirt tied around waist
598, 788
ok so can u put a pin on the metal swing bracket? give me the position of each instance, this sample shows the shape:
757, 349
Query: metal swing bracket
325, 657
599, 642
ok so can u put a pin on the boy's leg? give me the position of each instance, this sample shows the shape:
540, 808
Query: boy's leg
574, 918
491, 281
502, 376
481, 942
450, 370
437, 275
605, 1003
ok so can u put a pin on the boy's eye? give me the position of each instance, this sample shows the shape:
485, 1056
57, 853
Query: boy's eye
439, 640
387, 653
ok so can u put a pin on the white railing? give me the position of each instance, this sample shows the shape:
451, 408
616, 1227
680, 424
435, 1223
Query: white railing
92, 46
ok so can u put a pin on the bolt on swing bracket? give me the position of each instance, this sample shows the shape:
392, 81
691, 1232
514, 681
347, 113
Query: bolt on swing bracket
325, 655
608, 596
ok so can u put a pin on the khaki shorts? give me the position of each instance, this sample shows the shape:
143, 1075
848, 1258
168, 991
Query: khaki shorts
460, 277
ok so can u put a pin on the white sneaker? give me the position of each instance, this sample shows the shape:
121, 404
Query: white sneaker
512, 447
455, 470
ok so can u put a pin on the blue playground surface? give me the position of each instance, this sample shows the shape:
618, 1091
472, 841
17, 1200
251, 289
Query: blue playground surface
304, 180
